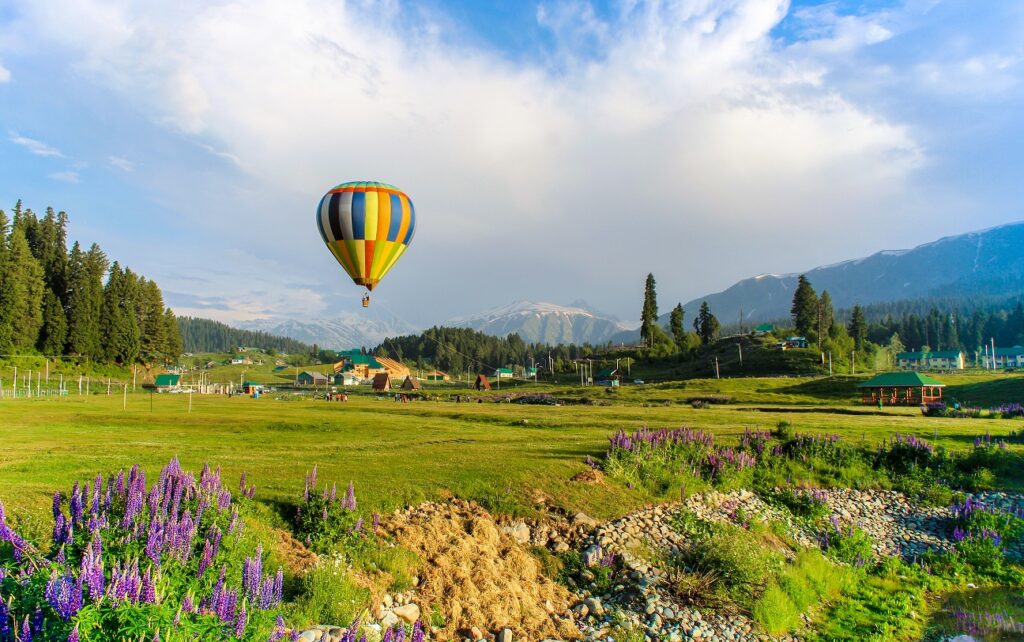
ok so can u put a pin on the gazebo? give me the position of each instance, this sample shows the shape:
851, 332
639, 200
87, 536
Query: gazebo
901, 389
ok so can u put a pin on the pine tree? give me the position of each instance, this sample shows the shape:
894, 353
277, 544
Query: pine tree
675, 324
805, 307
5, 325
826, 316
173, 347
54, 332
21, 292
149, 312
649, 313
118, 327
85, 297
706, 324
858, 328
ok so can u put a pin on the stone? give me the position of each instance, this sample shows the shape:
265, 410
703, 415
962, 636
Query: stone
519, 531
476, 633
582, 519
309, 635
408, 612
505, 635
388, 601
592, 555
389, 620
594, 604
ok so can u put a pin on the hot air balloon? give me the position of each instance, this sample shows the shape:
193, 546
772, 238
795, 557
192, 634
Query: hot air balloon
367, 226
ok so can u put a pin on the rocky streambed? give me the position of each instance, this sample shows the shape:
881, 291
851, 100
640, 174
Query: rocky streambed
479, 577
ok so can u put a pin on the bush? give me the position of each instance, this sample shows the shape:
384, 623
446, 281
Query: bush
847, 544
811, 505
739, 562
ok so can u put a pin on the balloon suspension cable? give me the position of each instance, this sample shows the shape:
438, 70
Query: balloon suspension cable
436, 341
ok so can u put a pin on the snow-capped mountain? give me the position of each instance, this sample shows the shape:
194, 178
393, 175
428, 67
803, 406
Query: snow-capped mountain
955, 265
545, 322
345, 331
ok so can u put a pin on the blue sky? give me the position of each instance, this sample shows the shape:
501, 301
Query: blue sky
555, 150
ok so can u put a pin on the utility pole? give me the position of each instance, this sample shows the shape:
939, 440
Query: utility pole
135, 372
739, 346
853, 362
830, 363
47, 370
124, 399
993, 353
717, 373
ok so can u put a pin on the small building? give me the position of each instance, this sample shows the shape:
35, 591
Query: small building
411, 383
482, 383
381, 382
795, 342
311, 378
1007, 358
346, 379
167, 382
531, 371
361, 365
241, 361
503, 373
437, 375
252, 388
608, 377
901, 389
763, 329
937, 360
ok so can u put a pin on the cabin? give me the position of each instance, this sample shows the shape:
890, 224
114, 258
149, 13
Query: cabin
346, 379
609, 377
252, 388
1007, 358
437, 375
763, 329
901, 389
795, 342
310, 378
482, 383
241, 361
411, 383
167, 382
381, 382
361, 365
503, 373
937, 360
532, 372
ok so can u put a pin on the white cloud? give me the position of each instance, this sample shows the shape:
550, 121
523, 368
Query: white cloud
5, 74
66, 177
121, 163
37, 147
690, 120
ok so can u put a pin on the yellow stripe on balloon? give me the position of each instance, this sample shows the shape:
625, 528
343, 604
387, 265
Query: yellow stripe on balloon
372, 206
399, 250
340, 251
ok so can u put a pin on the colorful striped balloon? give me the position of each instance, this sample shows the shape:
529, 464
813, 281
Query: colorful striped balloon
367, 227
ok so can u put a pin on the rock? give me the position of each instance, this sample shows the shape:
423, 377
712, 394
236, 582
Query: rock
594, 604
582, 519
505, 635
476, 633
389, 620
388, 601
519, 531
408, 612
310, 635
592, 555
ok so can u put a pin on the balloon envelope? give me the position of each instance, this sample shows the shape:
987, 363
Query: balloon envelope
367, 226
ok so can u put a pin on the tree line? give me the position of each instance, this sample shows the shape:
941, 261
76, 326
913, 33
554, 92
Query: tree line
457, 350
657, 342
59, 302
206, 335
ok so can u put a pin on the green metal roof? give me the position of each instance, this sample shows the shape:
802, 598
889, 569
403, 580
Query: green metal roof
935, 354
607, 372
504, 370
1015, 351
360, 359
765, 327
901, 380
167, 380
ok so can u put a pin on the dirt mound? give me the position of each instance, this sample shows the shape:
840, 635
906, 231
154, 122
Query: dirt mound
297, 557
589, 476
477, 576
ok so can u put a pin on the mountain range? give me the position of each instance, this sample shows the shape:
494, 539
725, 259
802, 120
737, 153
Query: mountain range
989, 260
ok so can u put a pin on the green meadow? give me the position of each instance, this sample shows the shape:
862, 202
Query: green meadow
498, 453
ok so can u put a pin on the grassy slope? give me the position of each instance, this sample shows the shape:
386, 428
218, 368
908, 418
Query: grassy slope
402, 453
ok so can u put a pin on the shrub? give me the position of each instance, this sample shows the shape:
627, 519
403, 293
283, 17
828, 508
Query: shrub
326, 521
850, 544
741, 565
811, 504
126, 561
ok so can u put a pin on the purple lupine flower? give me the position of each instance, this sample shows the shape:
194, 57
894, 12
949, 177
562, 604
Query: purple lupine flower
278, 633
75, 504
64, 595
959, 534
358, 528
350, 497
334, 492
187, 605
278, 586
148, 587
241, 621
26, 632
5, 616
73, 636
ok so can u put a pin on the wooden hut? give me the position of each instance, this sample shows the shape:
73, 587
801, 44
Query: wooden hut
411, 383
381, 382
901, 389
482, 383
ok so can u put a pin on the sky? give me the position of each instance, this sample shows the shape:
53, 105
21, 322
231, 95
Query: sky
555, 151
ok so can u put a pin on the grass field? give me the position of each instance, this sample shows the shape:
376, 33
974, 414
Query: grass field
497, 453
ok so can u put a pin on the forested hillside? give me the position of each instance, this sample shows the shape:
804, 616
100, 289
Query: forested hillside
56, 302
205, 335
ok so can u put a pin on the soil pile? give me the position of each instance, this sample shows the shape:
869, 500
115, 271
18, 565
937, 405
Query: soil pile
476, 575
